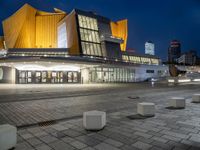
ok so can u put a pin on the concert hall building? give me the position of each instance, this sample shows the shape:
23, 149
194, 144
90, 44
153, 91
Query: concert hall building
41, 47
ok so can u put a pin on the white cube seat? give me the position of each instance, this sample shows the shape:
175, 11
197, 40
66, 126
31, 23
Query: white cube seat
94, 120
8, 136
196, 98
177, 102
146, 109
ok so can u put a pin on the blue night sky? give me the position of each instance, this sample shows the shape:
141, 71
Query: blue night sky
155, 20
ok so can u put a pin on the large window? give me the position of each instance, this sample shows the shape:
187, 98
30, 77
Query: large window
89, 35
102, 74
87, 22
90, 41
62, 36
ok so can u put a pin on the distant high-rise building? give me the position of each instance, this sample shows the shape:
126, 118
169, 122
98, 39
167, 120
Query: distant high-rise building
174, 51
149, 48
188, 58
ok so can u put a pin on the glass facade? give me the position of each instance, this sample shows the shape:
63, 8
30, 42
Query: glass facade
89, 35
109, 75
25, 77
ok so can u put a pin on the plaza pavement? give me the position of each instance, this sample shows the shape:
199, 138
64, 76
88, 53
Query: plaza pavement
169, 129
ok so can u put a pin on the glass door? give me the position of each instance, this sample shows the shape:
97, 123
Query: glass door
29, 77
69, 77
44, 76
38, 77
72, 77
60, 77
54, 77
75, 77
22, 77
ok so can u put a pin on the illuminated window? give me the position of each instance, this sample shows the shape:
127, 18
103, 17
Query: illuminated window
154, 61
145, 60
87, 22
135, 59
62, 36
89, 34
125, 58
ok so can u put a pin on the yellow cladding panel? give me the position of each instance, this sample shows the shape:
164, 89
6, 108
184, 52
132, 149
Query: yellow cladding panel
20, 27
120, 29
30, 28
1, 43
46, 30
26, 38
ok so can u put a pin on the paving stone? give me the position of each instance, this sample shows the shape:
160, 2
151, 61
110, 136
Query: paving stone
141, 145
78, 145
43, 147
59, 127
113, 142
128, 147
48, 139
163, 140
104, 146
23, 146
195, 138
60, 145
72, 133
162, 145
98, 137
34, 141
26, 136
178, 145
145, 140
171, 138
178, 135
88, 148
67, 139
88, 140
123, 139
143, 134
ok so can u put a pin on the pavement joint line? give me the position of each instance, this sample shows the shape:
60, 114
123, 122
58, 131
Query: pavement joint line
66, 119
53, 97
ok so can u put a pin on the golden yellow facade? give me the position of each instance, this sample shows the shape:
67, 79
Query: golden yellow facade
19, 28
1, 42
46, 30
120, 29
30, 28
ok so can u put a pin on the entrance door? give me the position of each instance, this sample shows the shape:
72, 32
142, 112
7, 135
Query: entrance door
75, 77
72, 77
44, 76
25, 77
54, 77
22, 77
38, 77
60, 77
29, 76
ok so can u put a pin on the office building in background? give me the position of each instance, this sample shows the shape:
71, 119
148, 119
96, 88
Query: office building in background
174, 52
149, 48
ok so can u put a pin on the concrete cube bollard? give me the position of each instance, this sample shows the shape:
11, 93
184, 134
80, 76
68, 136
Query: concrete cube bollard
196, 98
146, 109
177, 102
8, 136
94, 120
